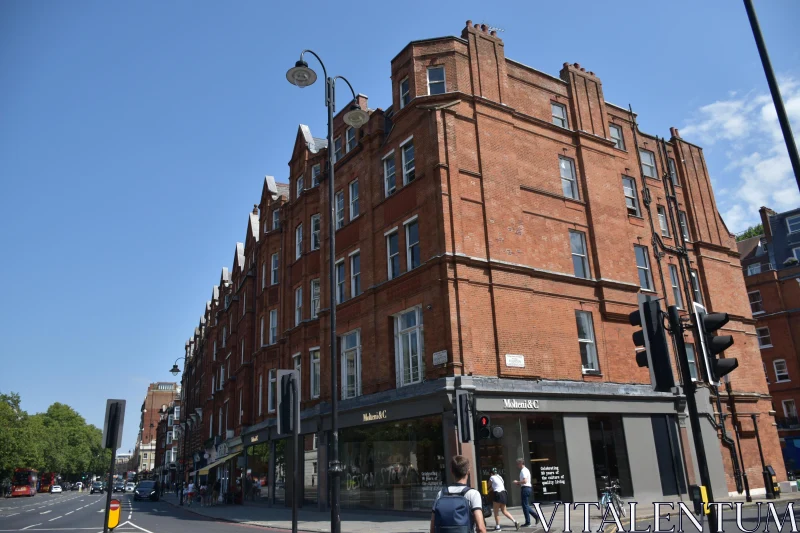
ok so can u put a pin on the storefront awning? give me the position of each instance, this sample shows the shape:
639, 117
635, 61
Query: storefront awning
203, 471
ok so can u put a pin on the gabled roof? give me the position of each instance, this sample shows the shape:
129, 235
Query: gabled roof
224, 277
252, 226
238, 260
215, 293
266, 197
747, 247
315, 144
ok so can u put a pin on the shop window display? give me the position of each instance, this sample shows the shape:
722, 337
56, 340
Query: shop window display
394, 465
610, 452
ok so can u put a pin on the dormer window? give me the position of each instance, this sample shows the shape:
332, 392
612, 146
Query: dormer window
436, 82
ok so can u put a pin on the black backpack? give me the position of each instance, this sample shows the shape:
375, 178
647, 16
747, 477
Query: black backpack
452, 513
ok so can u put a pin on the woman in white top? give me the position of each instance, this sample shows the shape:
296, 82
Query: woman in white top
499, 500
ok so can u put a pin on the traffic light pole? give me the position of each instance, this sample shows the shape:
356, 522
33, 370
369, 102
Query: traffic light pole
689, 389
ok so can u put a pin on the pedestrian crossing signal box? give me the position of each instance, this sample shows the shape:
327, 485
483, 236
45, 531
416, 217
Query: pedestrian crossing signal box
113, 514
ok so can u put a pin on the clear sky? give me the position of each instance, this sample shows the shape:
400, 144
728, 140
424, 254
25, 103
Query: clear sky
134, 137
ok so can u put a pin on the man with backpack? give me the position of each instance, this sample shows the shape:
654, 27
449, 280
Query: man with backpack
458, 508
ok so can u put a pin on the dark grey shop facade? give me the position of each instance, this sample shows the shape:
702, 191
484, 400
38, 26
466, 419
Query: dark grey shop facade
395, 446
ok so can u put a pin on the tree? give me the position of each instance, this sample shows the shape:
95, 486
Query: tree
752, 231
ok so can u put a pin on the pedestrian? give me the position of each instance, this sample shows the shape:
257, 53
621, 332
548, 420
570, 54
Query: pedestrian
500, 500
458, 508
524, 483
191, 493
215, 492
203, 490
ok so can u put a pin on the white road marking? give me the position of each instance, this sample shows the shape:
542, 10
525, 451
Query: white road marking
56, 518
137, 527
28, 527
14, 514
45, 512
65, 514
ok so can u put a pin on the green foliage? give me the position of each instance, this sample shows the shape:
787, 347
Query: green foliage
58, 440
752, 231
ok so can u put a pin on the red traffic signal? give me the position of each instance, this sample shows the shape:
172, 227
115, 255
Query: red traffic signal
483, 421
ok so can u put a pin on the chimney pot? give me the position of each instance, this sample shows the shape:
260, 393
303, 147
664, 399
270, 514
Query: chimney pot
255, 209
566, 64
674, 132
577, 65
493, 33
583, 69
469, 24
592, 73
483, 27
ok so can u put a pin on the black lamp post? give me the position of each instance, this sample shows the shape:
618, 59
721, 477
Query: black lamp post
184, 434
302, 76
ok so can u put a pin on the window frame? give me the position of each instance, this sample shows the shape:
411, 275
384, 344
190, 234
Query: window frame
674, 279
341, 297
276, 219
316, 172
635, 198
692, 361
652, 157
619, 142
347, 144
390, 156
409, 254
573, 180
300, 186
591, 341
399, 335
298, 241
355, 277
389, 256
263, 275
314, 371
357, 360
316, 220
273, 327
337, 149
673, 171
796, 252
584, 257
274, 277
760, 302
339, 197
406, 172
260, 394
561, 122
663, 223
315, 299
354, 204
760, 336
407, 93
647, 268
694, 279
272, 390
789, 223
753, 271
443, 81
785, 373
684, 223
298, 305
786, 402
262, 331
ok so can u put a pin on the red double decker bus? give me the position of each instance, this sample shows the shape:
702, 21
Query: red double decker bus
24, 482
47, 480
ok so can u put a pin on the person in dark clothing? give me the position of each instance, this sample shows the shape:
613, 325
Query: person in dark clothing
215, 492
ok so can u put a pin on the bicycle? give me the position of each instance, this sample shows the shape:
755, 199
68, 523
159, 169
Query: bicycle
610, 495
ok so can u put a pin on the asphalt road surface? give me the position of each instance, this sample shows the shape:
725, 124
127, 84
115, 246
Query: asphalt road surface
81, 512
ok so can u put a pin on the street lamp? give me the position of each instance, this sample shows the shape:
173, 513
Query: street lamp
303, 76
175, 370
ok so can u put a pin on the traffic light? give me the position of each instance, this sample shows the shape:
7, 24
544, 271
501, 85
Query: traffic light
484, 427
653, 339
462, 415
713, 344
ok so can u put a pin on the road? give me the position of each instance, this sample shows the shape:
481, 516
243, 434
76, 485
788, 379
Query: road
84, 512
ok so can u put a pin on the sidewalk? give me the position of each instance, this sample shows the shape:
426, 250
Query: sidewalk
358, 522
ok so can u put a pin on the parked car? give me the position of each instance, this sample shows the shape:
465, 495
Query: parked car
119, 486
56, 489
146, 490
129, 487
96, 487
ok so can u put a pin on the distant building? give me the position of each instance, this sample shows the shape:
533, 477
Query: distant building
771, 266
121, 463
158, 398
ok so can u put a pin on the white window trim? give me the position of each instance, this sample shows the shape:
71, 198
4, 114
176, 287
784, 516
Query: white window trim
350, 261
298, 306
796, 252
316, 234
758, 338
335, 158
263, 276
775, 368
592, 342
271, 339
662, 211
274, 269
621, 136
344, 366
298, 241
271, 390
553, 116
347, 148
276, 219
386, 192
761, 301
336, 281
388, 257
788, 227
319, 173
311, 296
420, 346
311, 371
300, 184
400, 91
403, 162
783, 405
408, 248
428, 77
339, 223
350, 194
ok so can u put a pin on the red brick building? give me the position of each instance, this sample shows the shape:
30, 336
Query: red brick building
158, 397
772, 277
494, 227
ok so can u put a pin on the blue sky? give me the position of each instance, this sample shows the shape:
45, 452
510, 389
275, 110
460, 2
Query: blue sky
134, 139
